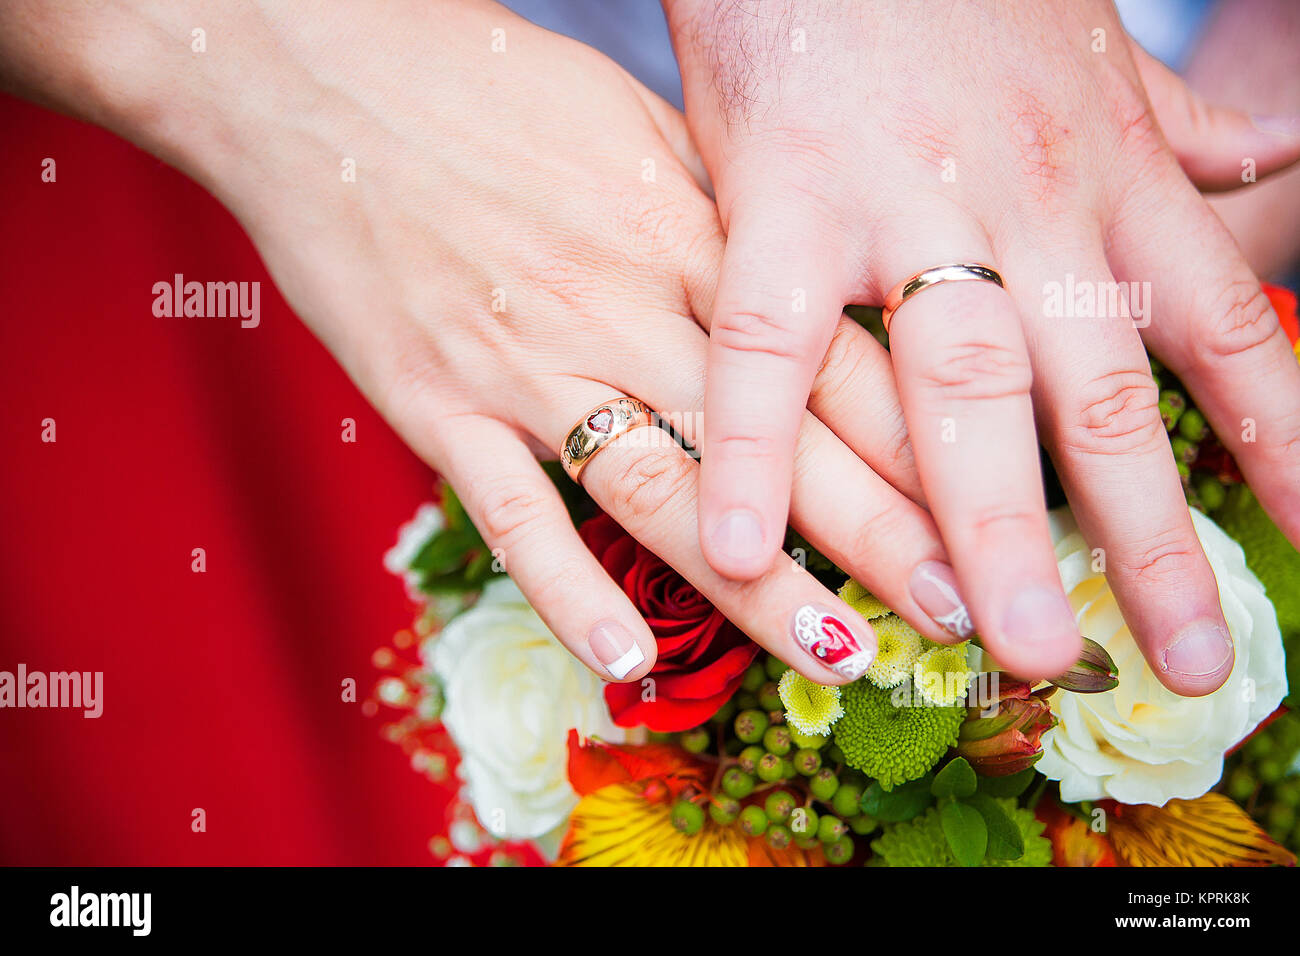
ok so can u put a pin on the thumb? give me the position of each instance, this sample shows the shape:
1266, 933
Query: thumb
1218, 147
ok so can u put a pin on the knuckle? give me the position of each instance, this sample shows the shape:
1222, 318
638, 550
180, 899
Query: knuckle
751, 447
978, 370
875, 534
566, 580
1241, 320
1118, 415
1044, 145
1161, 560
563, 276
656, 225
1002, 519
848, 361
894, 455
763, 332
922, 136
1282, 451
647, 482
508, 512
1137, 135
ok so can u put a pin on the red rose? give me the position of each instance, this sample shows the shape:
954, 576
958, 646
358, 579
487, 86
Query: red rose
702, 655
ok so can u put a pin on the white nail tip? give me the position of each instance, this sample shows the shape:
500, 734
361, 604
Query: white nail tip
626, 664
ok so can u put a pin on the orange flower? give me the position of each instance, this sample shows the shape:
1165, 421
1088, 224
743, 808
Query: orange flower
1074, 842
625, 815
662, 771
617, 826
1208, 831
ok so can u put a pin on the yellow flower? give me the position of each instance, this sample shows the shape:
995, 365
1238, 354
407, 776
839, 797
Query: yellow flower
810, 708
942, 675
617, 826
898, 644
1208, 831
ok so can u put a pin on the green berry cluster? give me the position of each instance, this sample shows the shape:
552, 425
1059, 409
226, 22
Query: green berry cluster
773, 782
1261, 777
1204, 467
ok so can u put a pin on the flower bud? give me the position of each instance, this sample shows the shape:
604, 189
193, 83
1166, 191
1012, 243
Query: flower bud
1004, 737
1092, 673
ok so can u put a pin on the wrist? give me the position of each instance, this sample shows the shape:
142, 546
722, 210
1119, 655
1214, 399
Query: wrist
141, 69
232, 96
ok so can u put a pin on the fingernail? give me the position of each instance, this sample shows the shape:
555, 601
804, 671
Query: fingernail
1199, 650
1039, 615
615, 648
934, 587
831, 641
1278, 125
739, 535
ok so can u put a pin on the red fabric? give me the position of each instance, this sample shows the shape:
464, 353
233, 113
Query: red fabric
221, 690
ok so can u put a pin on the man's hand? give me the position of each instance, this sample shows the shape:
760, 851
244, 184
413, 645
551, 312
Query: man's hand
854, 144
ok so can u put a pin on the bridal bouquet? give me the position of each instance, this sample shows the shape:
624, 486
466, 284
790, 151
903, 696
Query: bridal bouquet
724, 756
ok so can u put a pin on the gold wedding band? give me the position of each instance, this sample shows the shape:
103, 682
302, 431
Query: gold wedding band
599, 427
952, 272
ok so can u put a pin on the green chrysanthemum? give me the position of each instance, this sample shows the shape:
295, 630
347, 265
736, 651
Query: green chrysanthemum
1274, 560
921, 842
941, 675
898, 643
893, 744
810, 708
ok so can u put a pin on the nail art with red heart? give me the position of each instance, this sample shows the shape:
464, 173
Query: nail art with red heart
831, 641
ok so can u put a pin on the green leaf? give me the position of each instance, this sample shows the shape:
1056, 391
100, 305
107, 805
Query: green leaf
902, 803
442, 553
1005, 839
957, 779
576, 501
453, 512
479, 567
1012, 786
968, 835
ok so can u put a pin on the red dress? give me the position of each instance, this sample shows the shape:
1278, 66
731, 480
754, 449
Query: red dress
222, 690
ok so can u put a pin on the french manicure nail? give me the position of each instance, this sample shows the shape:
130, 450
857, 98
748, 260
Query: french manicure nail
739, 535
934, 587
1039, 615
1198, 650
831, 641
615, 648
1278, 125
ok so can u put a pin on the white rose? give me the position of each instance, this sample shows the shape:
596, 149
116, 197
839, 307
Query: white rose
411, 537
512, 694
1142, 743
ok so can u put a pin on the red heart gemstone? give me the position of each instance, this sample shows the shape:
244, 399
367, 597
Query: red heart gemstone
601, 421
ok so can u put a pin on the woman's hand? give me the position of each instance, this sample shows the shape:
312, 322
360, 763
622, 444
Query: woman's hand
524, 239
853, 145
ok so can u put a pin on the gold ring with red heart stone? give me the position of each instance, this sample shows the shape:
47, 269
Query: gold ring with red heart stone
599, 427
